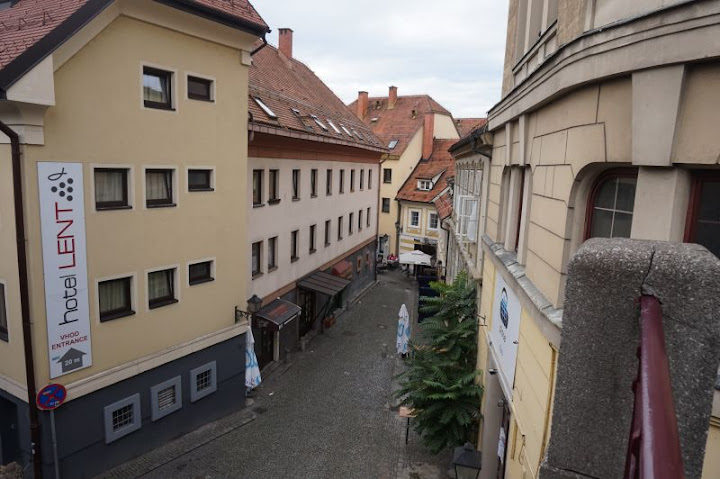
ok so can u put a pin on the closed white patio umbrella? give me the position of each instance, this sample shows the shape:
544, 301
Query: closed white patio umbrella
252, 368
403, 331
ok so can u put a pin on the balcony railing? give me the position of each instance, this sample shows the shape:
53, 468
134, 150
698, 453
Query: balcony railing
654, 447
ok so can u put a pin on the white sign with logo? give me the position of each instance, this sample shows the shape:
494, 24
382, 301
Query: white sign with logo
501, 445
505, 332
62, 221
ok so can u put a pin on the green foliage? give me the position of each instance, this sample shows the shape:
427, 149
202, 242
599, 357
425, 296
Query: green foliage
440, 383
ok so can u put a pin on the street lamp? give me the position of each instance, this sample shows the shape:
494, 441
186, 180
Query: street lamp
467, 462
253, 306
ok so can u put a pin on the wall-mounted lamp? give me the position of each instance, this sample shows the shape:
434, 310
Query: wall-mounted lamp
253, 306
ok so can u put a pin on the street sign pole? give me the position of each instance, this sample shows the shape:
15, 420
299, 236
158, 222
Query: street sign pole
54, 444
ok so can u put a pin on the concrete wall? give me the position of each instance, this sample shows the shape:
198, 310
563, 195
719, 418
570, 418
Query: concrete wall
609, 11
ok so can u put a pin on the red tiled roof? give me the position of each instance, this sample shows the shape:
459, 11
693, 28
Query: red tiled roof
440, 161
398, 123
283, 84
28, 21
443, 205
465, 126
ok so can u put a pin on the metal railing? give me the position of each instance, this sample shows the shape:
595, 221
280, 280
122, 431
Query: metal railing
654, 446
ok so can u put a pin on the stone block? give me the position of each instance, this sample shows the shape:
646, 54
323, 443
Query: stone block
553, 148
585, 145
597, 361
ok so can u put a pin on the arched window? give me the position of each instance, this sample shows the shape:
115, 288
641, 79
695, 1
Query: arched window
610, 205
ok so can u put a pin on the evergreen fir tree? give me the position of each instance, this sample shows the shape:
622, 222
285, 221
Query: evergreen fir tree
440, 382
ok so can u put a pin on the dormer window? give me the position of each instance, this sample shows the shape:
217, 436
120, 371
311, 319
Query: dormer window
425, 185
319, 123
392, 144
333, 126
265, 108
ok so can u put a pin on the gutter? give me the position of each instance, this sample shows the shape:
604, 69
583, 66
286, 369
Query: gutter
264, 44
35, 436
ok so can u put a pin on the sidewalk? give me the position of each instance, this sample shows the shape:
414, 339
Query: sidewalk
329, 412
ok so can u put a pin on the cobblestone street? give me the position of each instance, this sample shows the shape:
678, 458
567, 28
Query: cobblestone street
328, 413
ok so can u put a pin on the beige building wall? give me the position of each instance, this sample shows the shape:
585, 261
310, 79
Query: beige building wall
289, 215
12, 366
99, 120
411, 236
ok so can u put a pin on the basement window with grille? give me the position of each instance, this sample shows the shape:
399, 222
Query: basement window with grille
166, 398
121, 418
203, 381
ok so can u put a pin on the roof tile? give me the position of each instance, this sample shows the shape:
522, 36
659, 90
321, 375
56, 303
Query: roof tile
440, 162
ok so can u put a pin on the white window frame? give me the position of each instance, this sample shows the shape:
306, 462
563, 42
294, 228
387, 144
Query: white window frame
176, 285
213, 176
130, 186
175, 185
110, 434
196, 261
133, 292
174, 103
262, 258
196, 395
425, 185
213, 89
410, 218
430, 215
175, 382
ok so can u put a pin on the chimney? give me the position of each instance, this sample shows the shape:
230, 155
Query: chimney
362, 104
392, 97
428, 134
285, 41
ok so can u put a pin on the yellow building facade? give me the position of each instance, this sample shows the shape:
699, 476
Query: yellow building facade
601, 132
158, 237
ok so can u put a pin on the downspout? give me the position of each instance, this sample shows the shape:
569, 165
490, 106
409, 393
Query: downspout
35, 436
263, 45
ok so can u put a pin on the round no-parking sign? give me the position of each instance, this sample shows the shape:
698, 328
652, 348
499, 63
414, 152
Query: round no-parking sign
51, 397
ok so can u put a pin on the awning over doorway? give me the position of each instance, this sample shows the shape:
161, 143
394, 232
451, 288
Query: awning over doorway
323, 283
277, 314
343, 269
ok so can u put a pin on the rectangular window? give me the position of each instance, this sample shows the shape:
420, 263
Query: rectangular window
157, 88
257, 187
256, 258
387, 175
350, 223
296, 184
111, 188
121, 418
161, 288
166, 398
313, 183
199, 88
294, 246
328, 183
340, 227
203, 381
274, 198
433, 223
3, 314
159, 188
367, 217
200, 272
272, 253
327, 233
369, 179
114, 298
425, 185
415, 218
200, 180
342, 181
386, 205
360, 223
362, 179
312, 238
352, 180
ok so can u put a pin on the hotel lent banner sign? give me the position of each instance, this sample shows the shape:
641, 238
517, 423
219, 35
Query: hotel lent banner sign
62, 220
505, 332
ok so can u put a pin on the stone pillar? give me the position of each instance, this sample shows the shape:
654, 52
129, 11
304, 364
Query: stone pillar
593, 402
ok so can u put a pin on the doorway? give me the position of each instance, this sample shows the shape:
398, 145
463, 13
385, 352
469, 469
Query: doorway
263, 346
307, 316
9, 441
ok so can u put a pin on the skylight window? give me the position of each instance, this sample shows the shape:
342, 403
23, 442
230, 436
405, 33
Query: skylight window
333, 126
319, 123
345, 130
374, 119
392, 144
296, 111
265, 108
356, 133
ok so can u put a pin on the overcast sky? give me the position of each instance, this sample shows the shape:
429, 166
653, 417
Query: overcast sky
452, 50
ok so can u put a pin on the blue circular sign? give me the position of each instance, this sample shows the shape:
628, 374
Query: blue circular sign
51, 397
